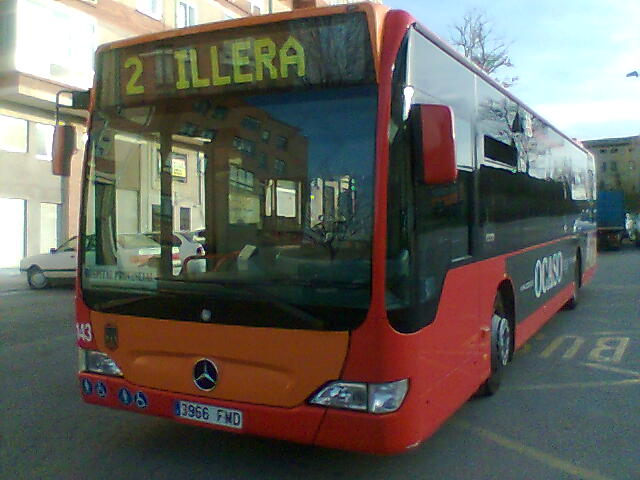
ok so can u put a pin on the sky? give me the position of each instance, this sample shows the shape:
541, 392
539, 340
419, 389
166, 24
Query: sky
571, 57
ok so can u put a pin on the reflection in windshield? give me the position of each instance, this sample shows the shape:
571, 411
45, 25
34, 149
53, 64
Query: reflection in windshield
274, 191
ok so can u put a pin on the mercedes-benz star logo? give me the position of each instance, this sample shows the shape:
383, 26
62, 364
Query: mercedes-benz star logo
205, 375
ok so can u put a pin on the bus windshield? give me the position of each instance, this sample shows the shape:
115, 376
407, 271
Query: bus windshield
232, 205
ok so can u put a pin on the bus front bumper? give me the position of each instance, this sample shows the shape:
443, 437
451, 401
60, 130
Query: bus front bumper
343, 429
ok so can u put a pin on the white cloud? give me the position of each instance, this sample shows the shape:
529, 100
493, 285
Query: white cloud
604, 118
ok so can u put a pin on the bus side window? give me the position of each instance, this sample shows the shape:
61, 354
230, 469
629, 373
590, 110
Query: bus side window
461, 216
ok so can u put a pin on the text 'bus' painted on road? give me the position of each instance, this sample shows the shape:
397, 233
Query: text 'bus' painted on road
605, 350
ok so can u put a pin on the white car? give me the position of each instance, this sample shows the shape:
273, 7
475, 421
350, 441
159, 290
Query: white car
60, 263
185, 246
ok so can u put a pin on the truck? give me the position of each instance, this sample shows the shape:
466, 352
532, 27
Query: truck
611, 219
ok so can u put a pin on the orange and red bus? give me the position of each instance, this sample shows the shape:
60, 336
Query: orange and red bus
375, 226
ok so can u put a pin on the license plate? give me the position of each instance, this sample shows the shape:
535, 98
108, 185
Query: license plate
225, 417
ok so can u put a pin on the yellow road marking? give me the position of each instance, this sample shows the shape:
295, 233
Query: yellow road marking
534, 453
600, 334
616, 345
576, 343
617, 287
622, 371
526, 348
559, 386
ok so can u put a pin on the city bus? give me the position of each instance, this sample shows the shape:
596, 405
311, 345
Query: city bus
379, 226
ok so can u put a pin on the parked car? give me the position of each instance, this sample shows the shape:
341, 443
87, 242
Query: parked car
136, 250
59, 264
186, 247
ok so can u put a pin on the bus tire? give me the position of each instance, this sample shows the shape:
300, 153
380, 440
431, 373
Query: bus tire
501, 347
572, 303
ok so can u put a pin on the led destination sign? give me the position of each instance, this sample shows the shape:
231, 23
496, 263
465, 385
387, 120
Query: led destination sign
251, 61
319, 51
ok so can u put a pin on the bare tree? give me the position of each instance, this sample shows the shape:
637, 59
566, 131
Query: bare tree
475, 37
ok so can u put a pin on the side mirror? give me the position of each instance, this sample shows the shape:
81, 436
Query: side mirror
64, 146
436, 143
64, 136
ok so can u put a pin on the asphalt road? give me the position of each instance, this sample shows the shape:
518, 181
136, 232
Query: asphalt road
569, 408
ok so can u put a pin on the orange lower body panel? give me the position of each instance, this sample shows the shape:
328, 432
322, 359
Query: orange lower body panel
293, 424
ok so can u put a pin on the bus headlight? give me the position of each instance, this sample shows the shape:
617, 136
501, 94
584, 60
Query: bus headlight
97, 362
387, 397
364, 397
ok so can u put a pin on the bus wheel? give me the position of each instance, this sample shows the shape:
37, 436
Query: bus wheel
501, 348
577, 278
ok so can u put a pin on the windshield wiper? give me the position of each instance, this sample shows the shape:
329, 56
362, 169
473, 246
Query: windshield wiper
119, 302
297, 282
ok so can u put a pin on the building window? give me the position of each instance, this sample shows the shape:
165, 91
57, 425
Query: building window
241, 178
244, 145
185, 219
66, 56
13, 134
604, 166
500, 152
614, 167
42, 141
153, 8
285, 194
280, 166
262, 160
251, 123
266, 135
208, 134
188, 129
155, 217
255, 6
286, 199
220, 112
185, 14
282, 142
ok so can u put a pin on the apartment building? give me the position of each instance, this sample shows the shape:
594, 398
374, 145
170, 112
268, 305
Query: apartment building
618, 166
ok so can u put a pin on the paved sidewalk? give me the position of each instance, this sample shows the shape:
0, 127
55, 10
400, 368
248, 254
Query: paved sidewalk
12, 279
